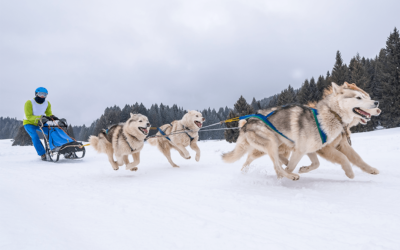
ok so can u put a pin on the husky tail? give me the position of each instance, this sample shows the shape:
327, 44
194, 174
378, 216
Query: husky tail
152, 141
100, 142
240, 150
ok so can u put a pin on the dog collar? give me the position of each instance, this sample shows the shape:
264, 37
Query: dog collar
191, 138
126, 139
337, 116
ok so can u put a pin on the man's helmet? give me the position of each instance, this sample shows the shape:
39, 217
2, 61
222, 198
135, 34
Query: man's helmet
41, 92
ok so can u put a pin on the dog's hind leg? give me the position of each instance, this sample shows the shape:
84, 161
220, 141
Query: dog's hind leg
354, 158
166, 150
240, 149
252, 155
255, 154
314, 163
270, 145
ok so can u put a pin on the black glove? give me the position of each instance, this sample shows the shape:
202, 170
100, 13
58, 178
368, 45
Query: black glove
44, 119
54, 117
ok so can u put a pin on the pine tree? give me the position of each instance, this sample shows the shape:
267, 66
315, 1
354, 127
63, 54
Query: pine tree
255, 104
391, 105
313, 91
231, 135
22, 138
241, 108
320, 88
339, 72
70, 131
358, 74
304, 93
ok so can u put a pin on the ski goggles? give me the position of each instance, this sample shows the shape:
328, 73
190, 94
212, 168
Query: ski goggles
42, 94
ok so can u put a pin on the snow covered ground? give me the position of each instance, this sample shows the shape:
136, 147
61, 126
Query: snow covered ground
84, 204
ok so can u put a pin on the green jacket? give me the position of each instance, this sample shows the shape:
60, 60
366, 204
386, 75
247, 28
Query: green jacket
30, 117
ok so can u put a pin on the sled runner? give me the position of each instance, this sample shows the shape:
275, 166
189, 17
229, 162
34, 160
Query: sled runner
57, 142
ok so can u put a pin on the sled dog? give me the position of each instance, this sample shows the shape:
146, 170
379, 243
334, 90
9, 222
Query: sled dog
123, 139
339, 151
298, 124
193, 121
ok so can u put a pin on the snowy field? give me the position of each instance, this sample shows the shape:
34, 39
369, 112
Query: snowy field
84, 204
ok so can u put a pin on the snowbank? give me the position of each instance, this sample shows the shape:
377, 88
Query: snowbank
84, 204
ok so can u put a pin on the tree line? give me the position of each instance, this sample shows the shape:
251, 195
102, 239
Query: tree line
378, 76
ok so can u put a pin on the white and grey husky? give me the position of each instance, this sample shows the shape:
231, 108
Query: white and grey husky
193, 121
339, 151
298, 124
123, 139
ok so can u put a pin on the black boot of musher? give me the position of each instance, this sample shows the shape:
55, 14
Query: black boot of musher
44, 158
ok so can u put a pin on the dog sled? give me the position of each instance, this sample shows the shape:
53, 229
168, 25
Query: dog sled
57, 142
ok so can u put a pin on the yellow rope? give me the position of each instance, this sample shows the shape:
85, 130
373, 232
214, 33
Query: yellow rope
236, 119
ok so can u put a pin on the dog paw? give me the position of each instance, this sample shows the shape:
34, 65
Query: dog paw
188, 158
373, 171
115, 168
303, 170
133, 169
350, 174
197, 158
293, 177
175, 166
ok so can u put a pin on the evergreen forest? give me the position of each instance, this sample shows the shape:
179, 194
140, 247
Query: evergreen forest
379, 76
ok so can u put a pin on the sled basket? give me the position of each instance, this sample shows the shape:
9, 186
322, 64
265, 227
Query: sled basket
57, 142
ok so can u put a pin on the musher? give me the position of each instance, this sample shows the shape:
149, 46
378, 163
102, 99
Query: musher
35, 108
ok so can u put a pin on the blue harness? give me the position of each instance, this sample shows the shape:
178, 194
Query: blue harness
266, 121
163, 133
271, 126
322, 134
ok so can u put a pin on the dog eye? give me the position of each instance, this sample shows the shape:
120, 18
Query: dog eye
140, 121
359, 98
197, 116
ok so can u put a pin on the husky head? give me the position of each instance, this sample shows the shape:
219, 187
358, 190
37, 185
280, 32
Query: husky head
137, 125
193, 120
352, 103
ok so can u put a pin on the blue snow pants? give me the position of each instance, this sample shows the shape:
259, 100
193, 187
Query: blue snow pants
31, 129
57, 137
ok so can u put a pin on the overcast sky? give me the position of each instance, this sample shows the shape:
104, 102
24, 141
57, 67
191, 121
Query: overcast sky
196, 54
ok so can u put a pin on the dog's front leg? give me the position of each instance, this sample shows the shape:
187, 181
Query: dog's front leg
136, 160
195, 147
314, 163
184, 153
294, 160
126, 159
354, 158
333, 155
111, 160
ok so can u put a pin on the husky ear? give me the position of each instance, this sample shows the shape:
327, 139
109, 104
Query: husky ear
335, 88
347, 85
132, 115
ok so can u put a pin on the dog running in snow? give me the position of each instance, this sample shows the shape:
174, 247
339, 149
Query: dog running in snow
297, 123
123, 139
193, 121
339, 151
